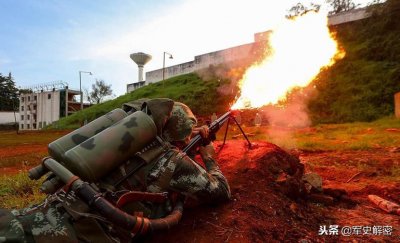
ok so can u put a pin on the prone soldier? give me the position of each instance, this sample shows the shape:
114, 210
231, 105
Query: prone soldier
149, 184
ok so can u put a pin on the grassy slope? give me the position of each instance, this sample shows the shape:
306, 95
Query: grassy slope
200, 95
361, 86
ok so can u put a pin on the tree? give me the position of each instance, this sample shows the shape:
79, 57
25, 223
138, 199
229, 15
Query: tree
341, 5
8, 94
299, 9
99, 91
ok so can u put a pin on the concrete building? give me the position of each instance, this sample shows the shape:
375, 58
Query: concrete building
39, 109
230, 55
7, 117
131, 87
244, 53
348, 16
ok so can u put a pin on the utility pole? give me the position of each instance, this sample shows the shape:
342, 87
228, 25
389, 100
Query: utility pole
80, 85
163, 70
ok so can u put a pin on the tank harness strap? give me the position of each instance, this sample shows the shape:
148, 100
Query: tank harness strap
145, 158
166, 146
125, 183
160, 149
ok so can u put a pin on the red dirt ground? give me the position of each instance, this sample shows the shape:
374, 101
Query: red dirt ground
260, 212
21, 149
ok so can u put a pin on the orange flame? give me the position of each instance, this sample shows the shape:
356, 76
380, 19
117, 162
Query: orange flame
299, 49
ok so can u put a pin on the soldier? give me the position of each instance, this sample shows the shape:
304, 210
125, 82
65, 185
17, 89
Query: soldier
63, 217
190, 179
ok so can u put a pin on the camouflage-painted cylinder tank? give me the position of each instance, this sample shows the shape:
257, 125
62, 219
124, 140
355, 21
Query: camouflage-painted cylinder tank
60, 146
108, 149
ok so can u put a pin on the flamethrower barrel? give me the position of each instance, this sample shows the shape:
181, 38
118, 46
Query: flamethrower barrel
192, 143
214, 127
93, 198
220, 121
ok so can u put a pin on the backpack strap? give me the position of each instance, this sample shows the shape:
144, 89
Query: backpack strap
143, 161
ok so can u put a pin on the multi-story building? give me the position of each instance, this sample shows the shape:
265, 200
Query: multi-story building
39, 109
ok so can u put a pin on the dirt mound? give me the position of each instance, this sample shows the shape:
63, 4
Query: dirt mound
259, 211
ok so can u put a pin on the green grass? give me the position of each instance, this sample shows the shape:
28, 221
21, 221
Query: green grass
328, 137
28, 159
361, 86
11, 138
27, 148
188, 88
18, 191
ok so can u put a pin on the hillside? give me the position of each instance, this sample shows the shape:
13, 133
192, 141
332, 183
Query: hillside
201, 95
360, 87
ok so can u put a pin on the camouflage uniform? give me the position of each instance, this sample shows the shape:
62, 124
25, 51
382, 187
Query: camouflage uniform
50, 222
174, 171
65, 218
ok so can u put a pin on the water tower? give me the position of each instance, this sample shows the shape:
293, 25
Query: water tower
140, 59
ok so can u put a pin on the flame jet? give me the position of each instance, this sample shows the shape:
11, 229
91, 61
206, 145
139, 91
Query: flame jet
300, 47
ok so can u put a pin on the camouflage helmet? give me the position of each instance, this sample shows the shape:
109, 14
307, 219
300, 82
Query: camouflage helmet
180, 125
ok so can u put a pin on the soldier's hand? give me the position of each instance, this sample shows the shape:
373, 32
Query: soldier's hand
204, 131
207, 151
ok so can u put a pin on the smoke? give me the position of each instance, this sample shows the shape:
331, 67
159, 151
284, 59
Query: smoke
293, 115
286, 119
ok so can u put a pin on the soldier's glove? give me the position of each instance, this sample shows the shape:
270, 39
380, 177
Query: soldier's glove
207, 152
203, 131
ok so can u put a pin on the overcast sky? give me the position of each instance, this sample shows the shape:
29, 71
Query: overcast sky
48, 40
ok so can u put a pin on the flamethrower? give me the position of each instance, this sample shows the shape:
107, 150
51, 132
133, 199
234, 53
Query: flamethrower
79, 174
197, 140
81, 160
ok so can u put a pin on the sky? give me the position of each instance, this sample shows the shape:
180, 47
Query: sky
42, 41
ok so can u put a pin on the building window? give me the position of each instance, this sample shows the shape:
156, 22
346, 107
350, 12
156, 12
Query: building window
22, 126
35, 97
29, 98
29, 117
22, 108
22, 99
22, 117
28, 126
48, 96
34, 107
34, 125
